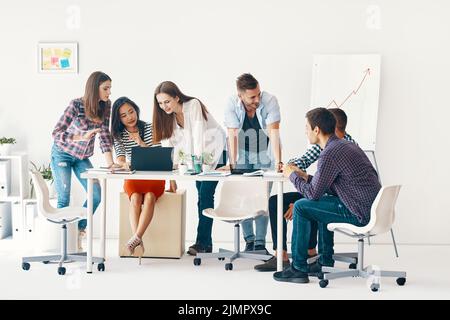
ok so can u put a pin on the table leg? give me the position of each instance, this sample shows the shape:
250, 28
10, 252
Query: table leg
103, 219
280, 226
90, 212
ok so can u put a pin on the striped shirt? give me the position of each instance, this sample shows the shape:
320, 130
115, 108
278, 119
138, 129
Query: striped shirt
123, 145
345, 171
312, 154
75, 122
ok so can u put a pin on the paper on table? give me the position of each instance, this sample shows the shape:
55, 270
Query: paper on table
256, 173
215, 173
113, 171
272, 174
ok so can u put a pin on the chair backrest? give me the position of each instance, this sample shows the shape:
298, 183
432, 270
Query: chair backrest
240, 198
42, 194
382, 214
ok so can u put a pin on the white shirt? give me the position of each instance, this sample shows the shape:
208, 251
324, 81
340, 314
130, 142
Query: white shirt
198, 136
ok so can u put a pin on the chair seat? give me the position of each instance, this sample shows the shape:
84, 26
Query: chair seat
230, 216
67, 213
347, 227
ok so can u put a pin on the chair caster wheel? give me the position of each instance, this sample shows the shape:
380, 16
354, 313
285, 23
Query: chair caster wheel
101, 267
61, 271
221, 259
323, 283
228, 266
45, 262
401, 281
352, 266
374, 287
197, 261
25, 266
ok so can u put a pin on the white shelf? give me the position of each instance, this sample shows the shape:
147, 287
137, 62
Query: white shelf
11, 199
16, 156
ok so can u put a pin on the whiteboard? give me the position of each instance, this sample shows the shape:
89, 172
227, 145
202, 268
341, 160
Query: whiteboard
352, 83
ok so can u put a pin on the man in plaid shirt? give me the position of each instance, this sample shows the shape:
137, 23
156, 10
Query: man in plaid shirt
303, 162
342, 191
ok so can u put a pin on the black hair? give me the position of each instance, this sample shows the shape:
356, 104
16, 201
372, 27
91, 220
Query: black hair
341, 118
322, 118
117, 126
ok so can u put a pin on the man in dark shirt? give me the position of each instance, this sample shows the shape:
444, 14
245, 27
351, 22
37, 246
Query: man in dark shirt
342, 190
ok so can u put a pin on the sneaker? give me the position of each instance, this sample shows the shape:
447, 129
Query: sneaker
249, 246
261, 247
291, 275
271, 265
81, 237
196, 248
315, 270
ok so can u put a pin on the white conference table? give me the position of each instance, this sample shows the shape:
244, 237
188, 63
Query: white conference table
167, 175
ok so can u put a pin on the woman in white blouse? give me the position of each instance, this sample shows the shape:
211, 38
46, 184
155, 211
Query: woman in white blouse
184, 123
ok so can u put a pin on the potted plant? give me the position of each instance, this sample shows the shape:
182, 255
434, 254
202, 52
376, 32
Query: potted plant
46, 172
208, 160
182, 162
5, 146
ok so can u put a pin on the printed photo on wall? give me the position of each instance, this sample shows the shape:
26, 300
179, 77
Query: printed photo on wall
58, 57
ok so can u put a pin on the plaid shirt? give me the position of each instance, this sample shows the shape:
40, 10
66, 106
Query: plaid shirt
312, 154
74, 122
345, 171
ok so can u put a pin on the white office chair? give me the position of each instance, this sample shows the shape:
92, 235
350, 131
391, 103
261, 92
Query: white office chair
381, 219
61, 216
239, 200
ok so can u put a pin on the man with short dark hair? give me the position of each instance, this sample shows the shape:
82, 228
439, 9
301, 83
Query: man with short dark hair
311, 155
252, 118
342, 191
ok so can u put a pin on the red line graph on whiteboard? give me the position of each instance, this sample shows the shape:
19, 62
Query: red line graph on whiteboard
354, 92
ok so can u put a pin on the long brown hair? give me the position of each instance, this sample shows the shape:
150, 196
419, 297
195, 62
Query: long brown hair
94, 108
163, 123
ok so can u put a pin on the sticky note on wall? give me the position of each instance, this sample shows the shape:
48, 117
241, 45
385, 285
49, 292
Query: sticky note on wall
55, 60
47, 52
58, 52
67, 53
65, 63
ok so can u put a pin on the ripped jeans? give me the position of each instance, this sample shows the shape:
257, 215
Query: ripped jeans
62, 165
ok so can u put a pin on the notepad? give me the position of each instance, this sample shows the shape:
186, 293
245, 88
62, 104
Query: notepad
112, 171
272, 174
257, 173
215, 173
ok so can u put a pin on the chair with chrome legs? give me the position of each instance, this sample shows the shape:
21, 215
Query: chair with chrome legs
239, 200
62, 216
382, 217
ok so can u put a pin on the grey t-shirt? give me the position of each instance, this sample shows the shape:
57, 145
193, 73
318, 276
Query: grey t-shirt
253, 142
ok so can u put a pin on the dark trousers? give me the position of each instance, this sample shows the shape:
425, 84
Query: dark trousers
288, 198
206, 191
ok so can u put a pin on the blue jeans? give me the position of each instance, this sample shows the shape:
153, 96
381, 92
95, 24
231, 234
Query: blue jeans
206, 191
328, 209
261, 223
62, 165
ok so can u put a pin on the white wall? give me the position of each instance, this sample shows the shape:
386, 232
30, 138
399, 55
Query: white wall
204, 45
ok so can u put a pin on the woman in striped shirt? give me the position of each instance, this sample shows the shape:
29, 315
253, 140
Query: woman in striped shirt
128, 131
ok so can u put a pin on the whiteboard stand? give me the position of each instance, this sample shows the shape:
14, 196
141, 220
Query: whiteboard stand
379, 179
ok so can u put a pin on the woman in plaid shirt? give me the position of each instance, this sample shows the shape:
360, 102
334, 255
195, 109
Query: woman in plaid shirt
74, 136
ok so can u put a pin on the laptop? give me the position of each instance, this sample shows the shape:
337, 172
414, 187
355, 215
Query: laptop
244, 168
151, 159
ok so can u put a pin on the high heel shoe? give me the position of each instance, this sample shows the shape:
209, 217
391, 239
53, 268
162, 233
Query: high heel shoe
139, 251
135, 247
